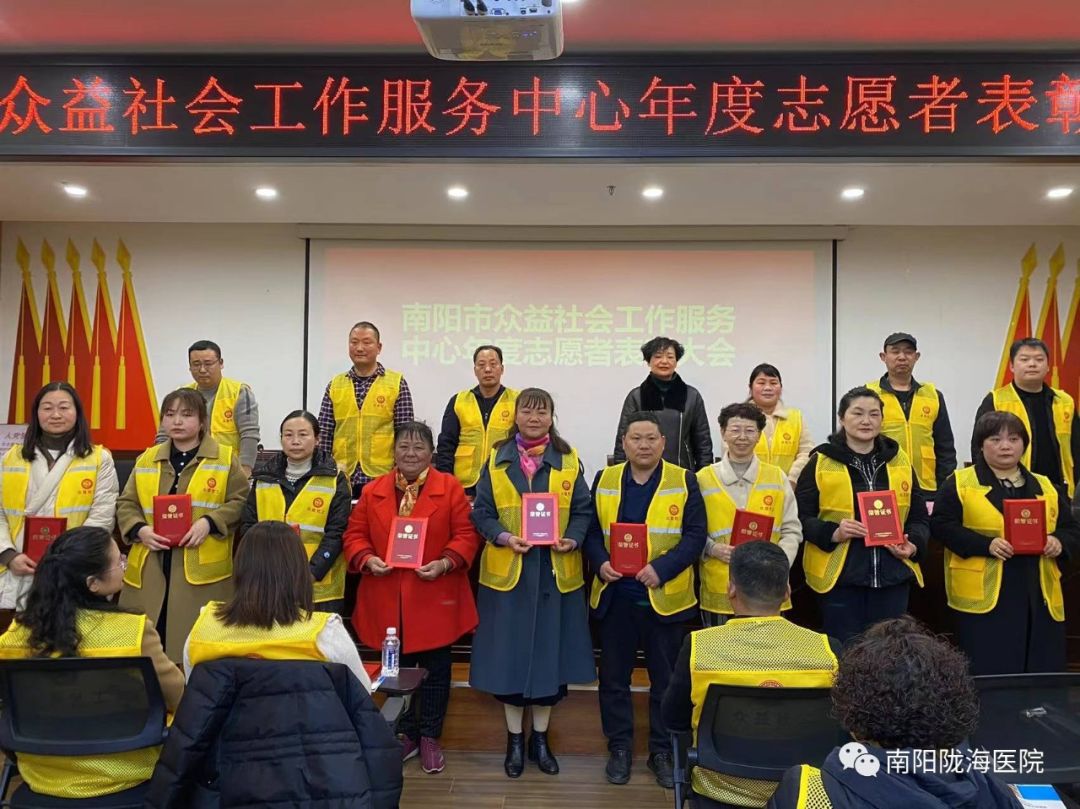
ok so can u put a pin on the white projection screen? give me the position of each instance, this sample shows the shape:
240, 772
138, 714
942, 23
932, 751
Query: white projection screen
571, 318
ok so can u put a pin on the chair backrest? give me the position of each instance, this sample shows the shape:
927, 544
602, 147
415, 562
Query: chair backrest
1032, 712
72, 706
755, 732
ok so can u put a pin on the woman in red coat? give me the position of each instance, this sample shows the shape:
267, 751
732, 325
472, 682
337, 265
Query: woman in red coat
431, 606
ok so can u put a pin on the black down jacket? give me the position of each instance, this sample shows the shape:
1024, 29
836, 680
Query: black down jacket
260, 733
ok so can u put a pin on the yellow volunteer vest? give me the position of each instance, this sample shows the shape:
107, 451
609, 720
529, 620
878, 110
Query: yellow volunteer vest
211, 639
222, 421
767, 652
837, 502
915, 435
784, 447
812, 794
664, 520
474, 441
766, 497
104, 634
211, 561
1008, 400
365, 435
74, 496
974, 584
308, 510
500, 567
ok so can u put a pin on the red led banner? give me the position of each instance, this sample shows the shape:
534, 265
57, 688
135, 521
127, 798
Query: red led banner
821, 105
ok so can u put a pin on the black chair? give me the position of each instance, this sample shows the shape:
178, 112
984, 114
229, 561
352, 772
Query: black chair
1033, 712
759, 733
77, 706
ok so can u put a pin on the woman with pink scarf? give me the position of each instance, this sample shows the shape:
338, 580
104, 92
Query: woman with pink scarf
533, 638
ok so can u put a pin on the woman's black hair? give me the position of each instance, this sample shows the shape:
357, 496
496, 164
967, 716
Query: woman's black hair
310, 418
531, 397
993, 423
59, 590
414, 429
81, 442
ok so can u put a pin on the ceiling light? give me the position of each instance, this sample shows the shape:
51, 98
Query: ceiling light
77, 191
1061, 192
457, 192
266, 192
652, 192
853, 193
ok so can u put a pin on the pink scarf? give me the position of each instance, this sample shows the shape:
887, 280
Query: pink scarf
531, 453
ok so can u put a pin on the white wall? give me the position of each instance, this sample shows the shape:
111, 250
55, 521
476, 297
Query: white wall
241, 286
953, 289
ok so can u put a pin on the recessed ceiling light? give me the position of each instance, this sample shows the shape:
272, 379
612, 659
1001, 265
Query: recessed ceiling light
77, 191
457, 192
853, 193
1061, 192
652, 192
266, 192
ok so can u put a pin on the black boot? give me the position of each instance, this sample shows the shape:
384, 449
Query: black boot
541, 753
515, 754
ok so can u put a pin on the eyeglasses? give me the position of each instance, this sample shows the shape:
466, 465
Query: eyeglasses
122, 564
199, 366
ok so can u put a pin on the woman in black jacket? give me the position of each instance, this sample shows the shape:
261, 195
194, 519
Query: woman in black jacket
276, 733
859, 585
680, 408
301, 485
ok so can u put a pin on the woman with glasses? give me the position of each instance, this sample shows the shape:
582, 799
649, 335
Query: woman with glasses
55, 472
68, 614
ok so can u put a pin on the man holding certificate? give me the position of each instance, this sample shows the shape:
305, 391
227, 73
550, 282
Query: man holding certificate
659, 503
1007, 533
746, 499
864, 520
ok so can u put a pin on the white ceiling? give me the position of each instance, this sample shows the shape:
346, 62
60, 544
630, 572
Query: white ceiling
546, 194
303, 26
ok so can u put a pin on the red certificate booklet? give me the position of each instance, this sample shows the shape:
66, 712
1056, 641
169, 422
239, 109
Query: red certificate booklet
749, 526
539, 518
406, 547
172, 516
1025, 526
881, 518
39, 534
629, 547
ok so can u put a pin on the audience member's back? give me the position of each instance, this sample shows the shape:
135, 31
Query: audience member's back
905, 695
258, 733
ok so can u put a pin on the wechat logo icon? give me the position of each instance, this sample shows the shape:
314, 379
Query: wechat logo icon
855, 756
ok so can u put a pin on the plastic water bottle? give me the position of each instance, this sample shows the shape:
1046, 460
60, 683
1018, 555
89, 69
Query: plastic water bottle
391, 653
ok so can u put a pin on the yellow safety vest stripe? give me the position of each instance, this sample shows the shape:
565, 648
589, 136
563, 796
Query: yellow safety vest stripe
475, 441
914, 433
365, 434
309, 509
212, 560
664, 520
973, 585
500, 567
211, 639
1008, 400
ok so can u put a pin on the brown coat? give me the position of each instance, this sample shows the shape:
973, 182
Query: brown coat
185, 599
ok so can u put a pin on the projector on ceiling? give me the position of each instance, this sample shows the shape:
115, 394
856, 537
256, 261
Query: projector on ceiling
490, 30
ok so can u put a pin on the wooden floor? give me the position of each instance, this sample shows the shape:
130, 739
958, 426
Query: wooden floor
477, 781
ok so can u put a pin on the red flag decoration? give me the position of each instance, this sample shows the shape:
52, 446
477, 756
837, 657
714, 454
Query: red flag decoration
80, 359
1020, 324
1070, 344
24, 372
54, 360
102, 404
1048, 330
136, 404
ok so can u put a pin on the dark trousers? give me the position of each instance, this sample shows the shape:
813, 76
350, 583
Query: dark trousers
847, 611
427, 709
625, 628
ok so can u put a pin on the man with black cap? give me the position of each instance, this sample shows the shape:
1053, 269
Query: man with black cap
915, 415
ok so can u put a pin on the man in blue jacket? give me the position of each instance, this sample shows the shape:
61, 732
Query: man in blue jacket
644, 610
